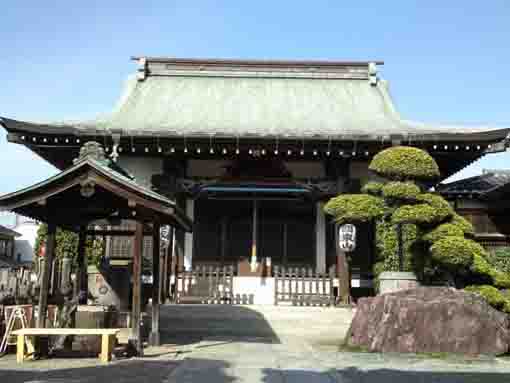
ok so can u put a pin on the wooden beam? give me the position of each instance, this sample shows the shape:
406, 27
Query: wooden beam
45, 278
154, 335
135, 336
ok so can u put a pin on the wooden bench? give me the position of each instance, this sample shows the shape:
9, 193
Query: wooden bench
26, 335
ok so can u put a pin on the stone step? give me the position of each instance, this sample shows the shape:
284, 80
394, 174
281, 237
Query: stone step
273, 323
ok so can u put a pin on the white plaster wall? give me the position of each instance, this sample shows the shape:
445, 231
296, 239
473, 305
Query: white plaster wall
142, 168
24, 245
262, 289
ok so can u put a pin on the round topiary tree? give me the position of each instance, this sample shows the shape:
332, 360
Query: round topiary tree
437, 241
405, 163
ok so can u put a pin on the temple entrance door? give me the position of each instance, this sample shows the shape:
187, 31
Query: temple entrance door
285, 231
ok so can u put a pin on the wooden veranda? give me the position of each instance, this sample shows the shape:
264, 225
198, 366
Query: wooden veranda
93, 190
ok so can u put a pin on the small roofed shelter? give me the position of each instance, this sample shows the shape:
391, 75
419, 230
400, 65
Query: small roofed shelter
94, 190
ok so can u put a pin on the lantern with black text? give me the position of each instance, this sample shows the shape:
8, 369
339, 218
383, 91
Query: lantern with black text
347, 237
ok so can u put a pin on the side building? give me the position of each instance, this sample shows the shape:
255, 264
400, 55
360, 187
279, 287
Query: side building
485, 201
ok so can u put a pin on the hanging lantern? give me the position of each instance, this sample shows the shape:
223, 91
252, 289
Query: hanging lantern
347, 237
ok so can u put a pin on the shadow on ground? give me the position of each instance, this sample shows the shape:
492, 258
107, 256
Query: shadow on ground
128, 371
186, 324
355, 375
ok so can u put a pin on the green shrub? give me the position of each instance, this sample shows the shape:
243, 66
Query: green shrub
373, 188
403, 191
493, 296
386, 245
456, 253
500, 259
66, 245
463, 224
442, 231
442, 207
420, 214
405, 163
500, 279
356, 208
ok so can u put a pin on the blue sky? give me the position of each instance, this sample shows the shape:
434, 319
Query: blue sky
68, 60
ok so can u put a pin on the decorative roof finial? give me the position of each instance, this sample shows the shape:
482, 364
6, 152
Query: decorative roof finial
91, 150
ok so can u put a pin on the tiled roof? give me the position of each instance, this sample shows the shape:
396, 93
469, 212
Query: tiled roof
6, 232
488, 182
265, 99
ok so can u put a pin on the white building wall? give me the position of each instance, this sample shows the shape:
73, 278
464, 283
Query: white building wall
24, 245
141, 168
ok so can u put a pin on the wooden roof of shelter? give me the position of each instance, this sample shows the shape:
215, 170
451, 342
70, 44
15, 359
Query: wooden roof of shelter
91, 190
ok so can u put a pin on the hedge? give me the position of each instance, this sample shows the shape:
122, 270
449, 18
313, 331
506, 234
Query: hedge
420, 214
442, 207
463, 224
355, 208
442, 231
404, 191
492, 295
405, 163
500, 259
456, 253
373, 188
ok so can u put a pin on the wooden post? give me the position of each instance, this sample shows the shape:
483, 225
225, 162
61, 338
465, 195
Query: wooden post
167, 265
154, 335
253, 259
342, 271
81, 281
45, 277
135, 336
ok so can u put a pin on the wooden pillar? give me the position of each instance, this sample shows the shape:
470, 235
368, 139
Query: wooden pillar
188, 237
342, 271
45, 277
154, 335
135, 336
82, 289
224, 239
285, 239
254, 234
167, 265
320, 238
162, 267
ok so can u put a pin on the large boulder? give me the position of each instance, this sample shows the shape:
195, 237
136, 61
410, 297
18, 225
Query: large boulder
429, 319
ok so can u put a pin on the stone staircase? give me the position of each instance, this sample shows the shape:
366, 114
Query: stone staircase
271, 324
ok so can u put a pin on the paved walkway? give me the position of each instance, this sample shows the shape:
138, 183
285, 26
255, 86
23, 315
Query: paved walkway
254, 360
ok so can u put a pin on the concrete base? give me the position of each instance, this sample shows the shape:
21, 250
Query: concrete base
391, 281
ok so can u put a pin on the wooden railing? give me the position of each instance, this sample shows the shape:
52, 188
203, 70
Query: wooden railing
205, 284
304, 286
